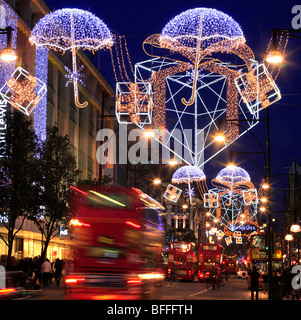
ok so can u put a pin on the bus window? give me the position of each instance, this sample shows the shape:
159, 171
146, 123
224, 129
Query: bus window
209, 248
100, 200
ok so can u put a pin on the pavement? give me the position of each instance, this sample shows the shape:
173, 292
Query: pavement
234, 289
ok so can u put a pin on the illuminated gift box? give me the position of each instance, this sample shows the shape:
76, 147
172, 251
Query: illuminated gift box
237, 234
257, 88
228, 240
211, 199
238, 240
134, 102
250, 196
172, 193
23, 91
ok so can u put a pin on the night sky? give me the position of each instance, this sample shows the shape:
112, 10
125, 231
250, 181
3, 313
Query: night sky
139, 19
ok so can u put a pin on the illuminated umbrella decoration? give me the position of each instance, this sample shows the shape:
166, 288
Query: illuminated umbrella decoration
72, 29
189, 174
233, 201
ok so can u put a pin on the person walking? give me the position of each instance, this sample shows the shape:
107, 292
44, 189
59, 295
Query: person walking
58, 271
254, 274
173, 274
46, 271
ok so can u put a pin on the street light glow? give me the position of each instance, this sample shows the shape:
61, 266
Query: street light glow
148, 133
157, 181
8, 55
289, 237
219, 137
172, 162
274, 56
295, 228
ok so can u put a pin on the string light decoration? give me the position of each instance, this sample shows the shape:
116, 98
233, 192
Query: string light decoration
257, 88
211, 200
202, 31
40, 112
274, 69
172, 193
8, 18
193, 38
189, 174
246, 230
235, 200
72, 29
216, 27
134, 102
23, 91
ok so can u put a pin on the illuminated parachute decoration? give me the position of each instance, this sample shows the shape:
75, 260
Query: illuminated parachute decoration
233, 202
72, 29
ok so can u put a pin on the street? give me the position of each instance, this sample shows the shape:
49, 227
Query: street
233, 289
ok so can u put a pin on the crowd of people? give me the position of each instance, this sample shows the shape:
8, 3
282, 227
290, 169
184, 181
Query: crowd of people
36, 271
281, 282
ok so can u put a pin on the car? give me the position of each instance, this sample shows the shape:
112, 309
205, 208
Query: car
242, 274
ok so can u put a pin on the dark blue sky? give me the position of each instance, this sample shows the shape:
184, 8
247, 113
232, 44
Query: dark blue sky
138, 19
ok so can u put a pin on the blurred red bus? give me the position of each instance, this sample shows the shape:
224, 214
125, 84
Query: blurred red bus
230, 264
210, 258
118, 245
181, 255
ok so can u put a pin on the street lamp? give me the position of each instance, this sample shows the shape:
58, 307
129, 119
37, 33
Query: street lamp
289, 237
274, 55
149, 133
295, 228
157, 181
172, 162
8, 54
219, 136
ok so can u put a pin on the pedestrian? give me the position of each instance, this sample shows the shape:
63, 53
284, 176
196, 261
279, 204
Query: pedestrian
296, 292
46, 271
254, 274
173, 274
30, 279
58, 271
214, 277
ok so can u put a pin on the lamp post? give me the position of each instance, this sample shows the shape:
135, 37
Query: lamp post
266, 186
274, 55
8, 54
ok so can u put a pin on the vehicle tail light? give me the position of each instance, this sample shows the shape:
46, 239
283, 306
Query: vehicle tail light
77, 223
134, 282
74, 280
169, 271
133, 224
7, 290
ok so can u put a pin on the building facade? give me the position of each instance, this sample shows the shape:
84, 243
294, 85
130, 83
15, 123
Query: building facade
56, 108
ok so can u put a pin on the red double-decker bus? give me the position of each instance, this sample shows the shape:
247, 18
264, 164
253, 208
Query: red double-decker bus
118, 245
182, 258
230, 264
210, 260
